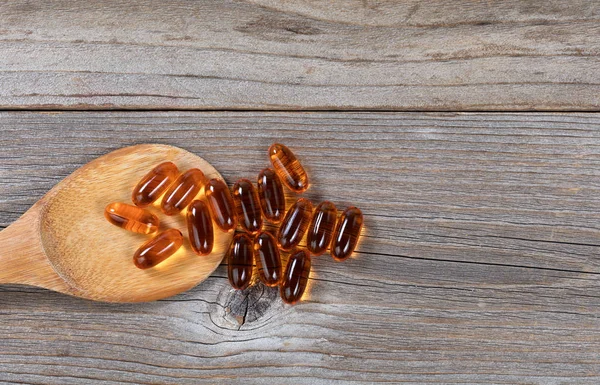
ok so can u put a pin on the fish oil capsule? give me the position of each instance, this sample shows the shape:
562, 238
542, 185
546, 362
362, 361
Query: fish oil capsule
131, 218
295, 277
247, 206
288, 168
294, 224
268, 261
154, 184
220, 204
158, 249
239, 268
270, 193
200, 228
346, 233
182, 191
320, 230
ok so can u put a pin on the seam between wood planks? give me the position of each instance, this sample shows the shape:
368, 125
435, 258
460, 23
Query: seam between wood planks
299, 110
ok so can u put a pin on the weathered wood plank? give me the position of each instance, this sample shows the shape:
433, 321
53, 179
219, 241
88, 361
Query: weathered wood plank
479, 263
383, 54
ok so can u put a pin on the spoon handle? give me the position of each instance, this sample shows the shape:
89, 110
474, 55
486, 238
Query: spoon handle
22, 256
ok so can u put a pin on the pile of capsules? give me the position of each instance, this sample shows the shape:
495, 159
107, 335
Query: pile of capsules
245, 206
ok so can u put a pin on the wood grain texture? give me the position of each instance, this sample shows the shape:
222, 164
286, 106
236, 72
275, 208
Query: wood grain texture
479, 263
301, 54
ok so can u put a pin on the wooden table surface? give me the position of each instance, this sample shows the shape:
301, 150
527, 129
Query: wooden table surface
467, 131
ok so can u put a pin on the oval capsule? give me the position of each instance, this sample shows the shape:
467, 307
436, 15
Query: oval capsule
200, 228
294, 224
183, 191
158, 249
247, 206
220, 204
154, 184
268, 260
346, 233
321, 228
295, 277
288, 168
239, 268
131, 218
271, 195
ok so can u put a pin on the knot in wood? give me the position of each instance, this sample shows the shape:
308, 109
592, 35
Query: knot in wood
251, 304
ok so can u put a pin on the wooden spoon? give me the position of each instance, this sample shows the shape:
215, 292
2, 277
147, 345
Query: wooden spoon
64, 243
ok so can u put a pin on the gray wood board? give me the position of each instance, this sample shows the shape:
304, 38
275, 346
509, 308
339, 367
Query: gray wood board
479, 263
394, 55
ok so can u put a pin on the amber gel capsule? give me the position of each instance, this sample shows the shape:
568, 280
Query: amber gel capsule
200, 228
294, 224
268, 261
320, 230
247, 206
154, 184
158, 249
346, 233
220, 204
131, 218
270, 193
182, 191
239, 268
295, 277
288, 168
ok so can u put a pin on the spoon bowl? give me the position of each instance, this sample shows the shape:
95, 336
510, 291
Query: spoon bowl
64, 243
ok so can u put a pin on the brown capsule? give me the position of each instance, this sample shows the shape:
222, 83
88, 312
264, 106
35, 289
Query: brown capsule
158, 249
272, 198
295, 277
239, 269
247, 206
154, 184
322, 225
200, 228
220, 204
346, 233
131, 218
288, 168
294, 224
268, 261
182, 191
